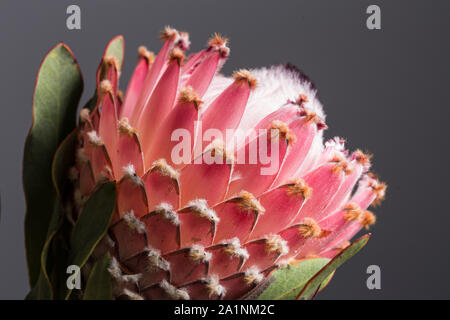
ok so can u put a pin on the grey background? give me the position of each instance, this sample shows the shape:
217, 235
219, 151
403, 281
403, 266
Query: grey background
386, 91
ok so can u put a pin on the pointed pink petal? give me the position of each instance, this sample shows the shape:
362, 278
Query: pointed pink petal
240, 283
108, 128
263, 253
197, 224
203, 74
345, 225
344, 237
324, 182
161, 185
208, 181
227, 258
181, 119
136, 84
131, 194
231, 102
129, 150
192, 62
187, 265
344, 191
129, 236
113, 75
95, 120
204, 62
158, 107
294, 240
333, 226
312, 158
286, 114
237, 217
87, 180
264, 156
296, 236
153, 76
151, 266
282, 205
100, 160
304, 131
163, 229
370, 191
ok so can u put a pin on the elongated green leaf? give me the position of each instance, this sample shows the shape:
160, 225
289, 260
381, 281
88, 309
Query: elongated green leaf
63, 160
289, 281
60, 261
115, 48
43, 289
312, 287
56, 96
92, 223
99, 285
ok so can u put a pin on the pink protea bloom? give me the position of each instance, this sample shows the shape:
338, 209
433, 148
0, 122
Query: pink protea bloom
201, 230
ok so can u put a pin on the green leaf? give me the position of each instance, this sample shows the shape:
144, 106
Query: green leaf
93, 223
289, 281
62, 161
43, 289
312, 287
116, 48
99, 285
60, 261
56, 96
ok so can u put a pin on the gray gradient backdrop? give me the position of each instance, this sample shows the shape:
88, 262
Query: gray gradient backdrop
386, 91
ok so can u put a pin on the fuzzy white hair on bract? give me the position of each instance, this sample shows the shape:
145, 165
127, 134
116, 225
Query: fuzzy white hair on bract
218, 84
276, 85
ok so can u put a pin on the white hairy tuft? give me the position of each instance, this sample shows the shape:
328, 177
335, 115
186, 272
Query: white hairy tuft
162, 166
234, 249
275, 243
133, 222
130, 173
200, 206
286, 263
116, 273
169, 214
197, 253
214, 287
172, 292
94, 139
132, 295
156, 261
276, 86
253, 276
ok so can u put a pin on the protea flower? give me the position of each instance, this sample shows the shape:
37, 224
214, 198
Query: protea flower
199, 213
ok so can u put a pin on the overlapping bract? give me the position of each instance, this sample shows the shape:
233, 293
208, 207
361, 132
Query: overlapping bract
203, 230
